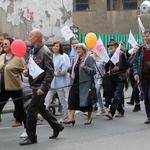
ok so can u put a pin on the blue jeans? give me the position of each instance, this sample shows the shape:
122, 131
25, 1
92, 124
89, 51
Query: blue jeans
59, 107
116, 104
146, 91
99, 98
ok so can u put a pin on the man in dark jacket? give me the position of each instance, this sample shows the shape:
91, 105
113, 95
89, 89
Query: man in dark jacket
141, 67
40, 85
117, 79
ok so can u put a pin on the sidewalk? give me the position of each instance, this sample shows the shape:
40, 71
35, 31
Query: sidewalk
9, 107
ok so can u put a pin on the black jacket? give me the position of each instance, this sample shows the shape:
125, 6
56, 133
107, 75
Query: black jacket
43, 58
119, 75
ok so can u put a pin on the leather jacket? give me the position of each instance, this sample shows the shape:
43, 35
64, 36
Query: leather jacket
43, 58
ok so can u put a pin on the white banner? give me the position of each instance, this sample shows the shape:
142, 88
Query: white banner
100, 50
132, 40
34, 69
67, 32
115, 57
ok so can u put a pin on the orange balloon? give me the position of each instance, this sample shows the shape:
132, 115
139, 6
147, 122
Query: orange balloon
90, 40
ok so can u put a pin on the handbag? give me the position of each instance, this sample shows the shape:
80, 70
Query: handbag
92, 97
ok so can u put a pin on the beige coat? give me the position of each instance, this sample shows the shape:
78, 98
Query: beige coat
12, 71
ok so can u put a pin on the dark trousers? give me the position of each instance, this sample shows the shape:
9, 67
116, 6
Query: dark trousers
135, 92
17, 97
37, 106
107, 90
116, 103
146, 91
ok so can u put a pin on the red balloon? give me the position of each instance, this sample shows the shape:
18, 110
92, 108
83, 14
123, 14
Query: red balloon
18, 48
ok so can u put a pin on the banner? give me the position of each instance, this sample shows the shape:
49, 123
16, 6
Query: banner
115, 57
141, 25
67, 32
132, 40
100, 50
34, 69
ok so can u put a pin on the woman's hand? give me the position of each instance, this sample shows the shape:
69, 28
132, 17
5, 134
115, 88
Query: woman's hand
59, 70
83, 65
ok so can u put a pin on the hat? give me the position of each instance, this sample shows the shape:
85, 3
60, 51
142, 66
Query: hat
112, 42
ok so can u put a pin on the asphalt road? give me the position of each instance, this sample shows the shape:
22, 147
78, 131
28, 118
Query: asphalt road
127, 133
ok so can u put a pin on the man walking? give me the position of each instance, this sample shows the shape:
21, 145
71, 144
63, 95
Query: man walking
40, 85
117, 79
141, 67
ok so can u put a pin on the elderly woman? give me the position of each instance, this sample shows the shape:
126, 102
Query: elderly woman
11, 84
82, 73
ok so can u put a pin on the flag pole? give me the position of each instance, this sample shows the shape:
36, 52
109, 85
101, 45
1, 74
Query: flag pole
140, 32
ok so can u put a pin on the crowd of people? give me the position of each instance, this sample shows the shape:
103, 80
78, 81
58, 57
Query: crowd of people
73, 74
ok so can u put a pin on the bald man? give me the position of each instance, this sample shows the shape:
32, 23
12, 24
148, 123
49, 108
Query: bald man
40, 85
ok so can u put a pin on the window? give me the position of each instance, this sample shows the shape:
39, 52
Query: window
84, 5
121, 5
129, 4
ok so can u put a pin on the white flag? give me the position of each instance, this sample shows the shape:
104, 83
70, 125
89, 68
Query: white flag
100, 50
141, 25
115, 57
67, 32
34, 69
132, 40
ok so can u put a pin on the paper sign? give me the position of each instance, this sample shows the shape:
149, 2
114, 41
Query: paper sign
132, 40
67, 32
115, 57
34, 69
100, 50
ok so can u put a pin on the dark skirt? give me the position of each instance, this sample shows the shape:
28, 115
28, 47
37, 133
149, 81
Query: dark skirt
74, 99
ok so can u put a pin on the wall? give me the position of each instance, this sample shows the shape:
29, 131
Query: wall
109, 22
19, 17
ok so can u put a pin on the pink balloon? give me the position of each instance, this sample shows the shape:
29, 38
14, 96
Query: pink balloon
18, 48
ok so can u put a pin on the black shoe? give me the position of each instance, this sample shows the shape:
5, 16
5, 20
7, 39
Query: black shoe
106, 105
137, 108
28, 141
95, 108
87, 123
130, 103
109, 115
70, 122
147, 121
56, 133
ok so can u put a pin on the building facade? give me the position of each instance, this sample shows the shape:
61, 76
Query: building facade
108, 16
19, 17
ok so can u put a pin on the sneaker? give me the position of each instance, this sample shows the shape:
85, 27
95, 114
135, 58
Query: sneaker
58, 114
98, 113
119, 115
24, 134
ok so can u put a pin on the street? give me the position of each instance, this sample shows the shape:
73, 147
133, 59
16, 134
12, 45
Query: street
126, 133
